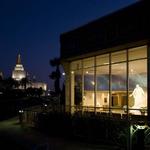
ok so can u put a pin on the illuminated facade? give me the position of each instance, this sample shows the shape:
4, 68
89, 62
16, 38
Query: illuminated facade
107, 63
18, 72
39, 85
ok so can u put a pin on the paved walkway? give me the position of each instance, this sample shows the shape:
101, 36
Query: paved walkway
17, 137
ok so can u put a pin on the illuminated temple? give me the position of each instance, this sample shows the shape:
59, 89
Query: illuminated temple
18, 72
107, 63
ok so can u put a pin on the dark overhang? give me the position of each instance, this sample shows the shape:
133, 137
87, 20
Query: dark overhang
128, 25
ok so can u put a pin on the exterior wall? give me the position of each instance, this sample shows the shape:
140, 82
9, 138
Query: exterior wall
66, 67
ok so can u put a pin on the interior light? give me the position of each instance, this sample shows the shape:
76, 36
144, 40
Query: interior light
92, 82
63, 74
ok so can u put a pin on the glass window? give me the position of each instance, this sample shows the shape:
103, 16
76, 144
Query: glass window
118, 56
102, 60
76, 65
137, 86
102, 86
78, 87
118, 86
89, 86
88, 62
138, 52
107, 91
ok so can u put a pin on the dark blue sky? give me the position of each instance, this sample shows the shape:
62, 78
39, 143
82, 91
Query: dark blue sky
32, 28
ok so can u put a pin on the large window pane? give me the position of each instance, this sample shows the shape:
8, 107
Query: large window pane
118, 56
78, 87
89, 83
102, 60
76, 65
118, 87
137, 85
138, 52
102, 86
88, 62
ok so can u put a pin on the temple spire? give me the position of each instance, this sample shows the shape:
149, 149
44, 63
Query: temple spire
18, 59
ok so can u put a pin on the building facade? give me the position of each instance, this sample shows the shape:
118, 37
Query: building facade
107, 63
39, 85
19, 73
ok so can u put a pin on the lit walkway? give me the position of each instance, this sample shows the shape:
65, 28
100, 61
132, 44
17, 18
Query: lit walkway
14, 136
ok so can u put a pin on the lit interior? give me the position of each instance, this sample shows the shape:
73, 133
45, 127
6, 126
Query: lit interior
117, 85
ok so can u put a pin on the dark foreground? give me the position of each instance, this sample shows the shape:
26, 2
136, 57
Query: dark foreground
20, 137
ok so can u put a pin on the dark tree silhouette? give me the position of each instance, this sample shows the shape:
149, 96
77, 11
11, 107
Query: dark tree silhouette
24, 82
39, 92
63, 95
10, 83
56, 75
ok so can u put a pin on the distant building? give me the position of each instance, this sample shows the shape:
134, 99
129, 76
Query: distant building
18, 72
1, 74
39, 85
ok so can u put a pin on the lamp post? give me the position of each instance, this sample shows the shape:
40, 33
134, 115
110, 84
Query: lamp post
21, 116
137, 129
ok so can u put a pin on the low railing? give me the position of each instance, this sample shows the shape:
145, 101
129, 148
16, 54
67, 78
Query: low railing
30, 114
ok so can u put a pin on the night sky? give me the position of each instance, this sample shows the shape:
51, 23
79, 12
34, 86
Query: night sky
32, 28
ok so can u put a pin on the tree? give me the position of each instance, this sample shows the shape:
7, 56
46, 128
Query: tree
56, 75
39, 92
62, 97
24, 82
10, 83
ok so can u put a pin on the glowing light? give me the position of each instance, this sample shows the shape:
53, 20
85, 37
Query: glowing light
87, 72
105, 63
63, 74
72, 72
132, 70
20, 111
92, 82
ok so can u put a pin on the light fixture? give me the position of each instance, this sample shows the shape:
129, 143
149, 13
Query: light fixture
92, 82
63, 74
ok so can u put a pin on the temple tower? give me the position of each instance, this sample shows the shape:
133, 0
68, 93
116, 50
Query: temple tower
18, 72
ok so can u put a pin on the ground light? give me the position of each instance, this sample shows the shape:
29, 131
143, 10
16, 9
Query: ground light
138, 130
